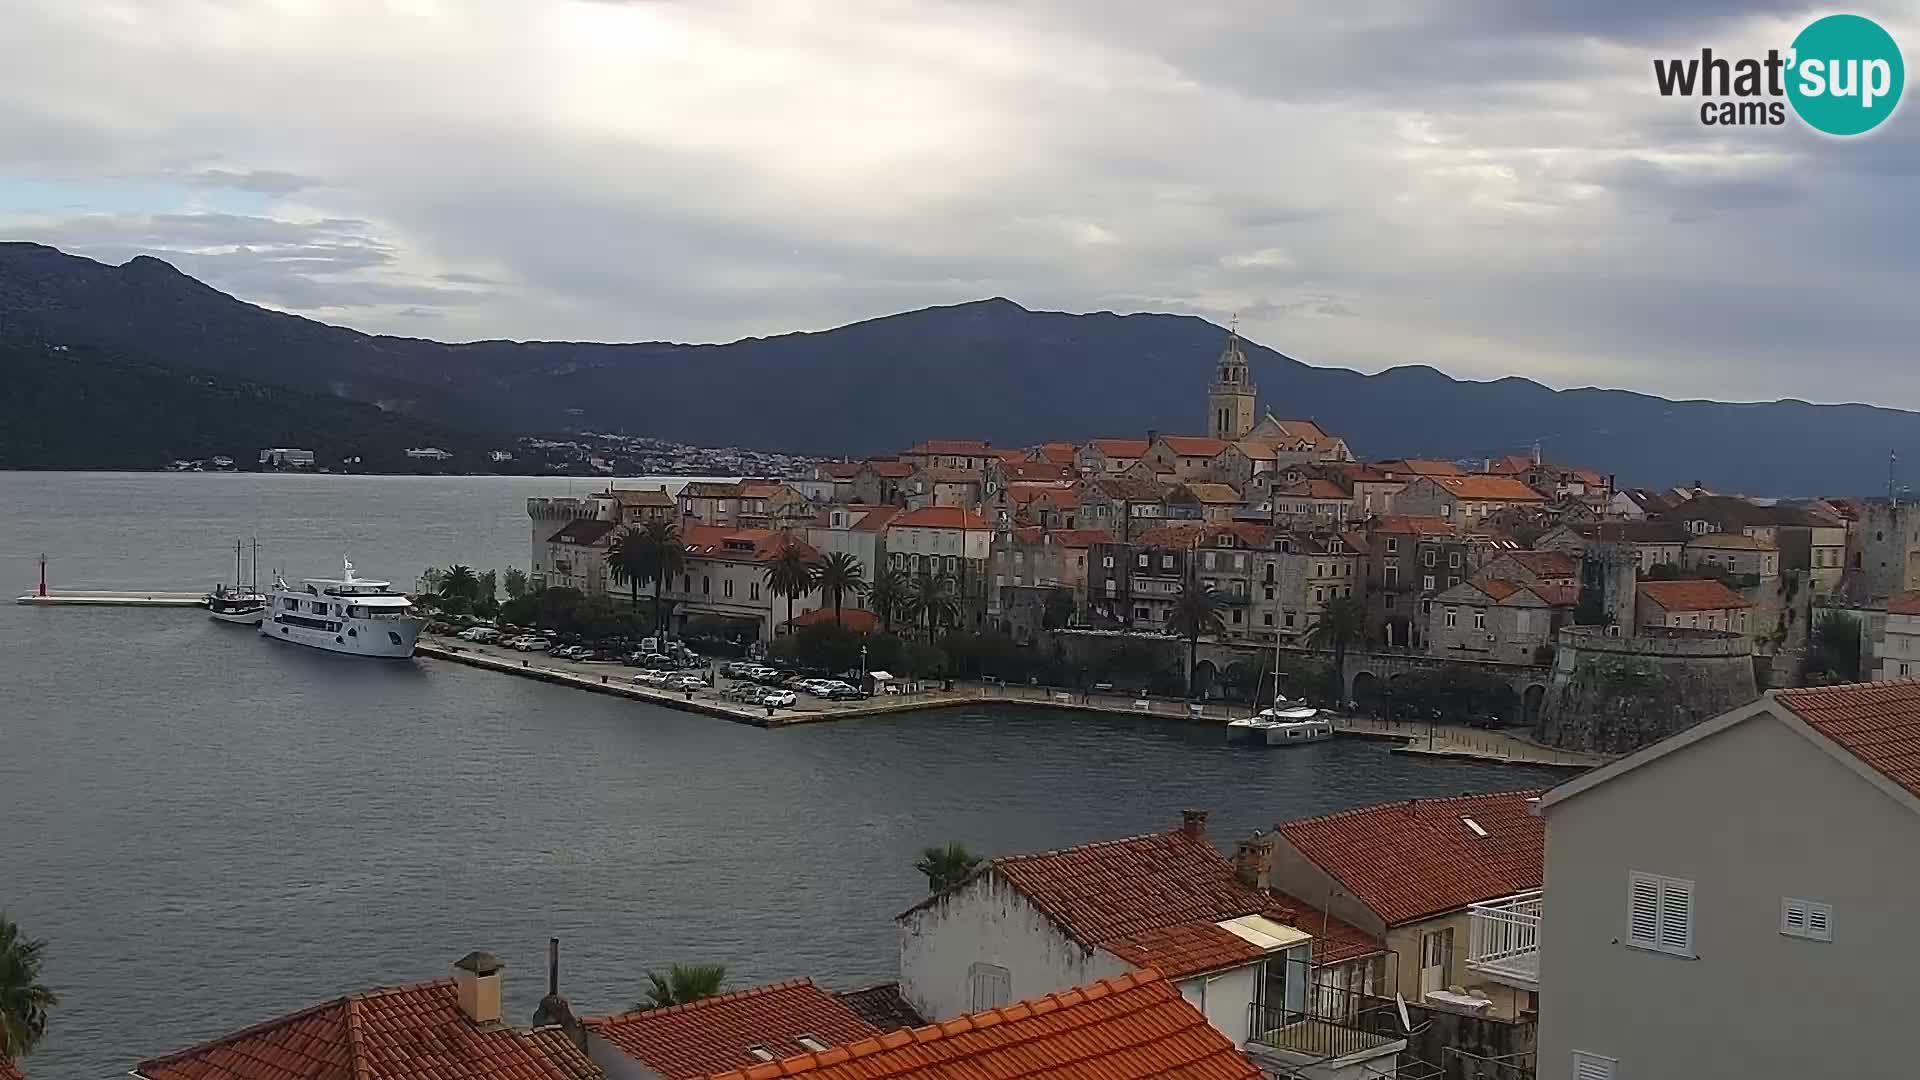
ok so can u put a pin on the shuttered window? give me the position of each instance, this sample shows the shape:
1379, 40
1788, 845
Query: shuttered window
1592, 1066
1808, 919
1660, 913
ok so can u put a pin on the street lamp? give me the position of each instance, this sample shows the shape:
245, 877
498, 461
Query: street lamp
863, 667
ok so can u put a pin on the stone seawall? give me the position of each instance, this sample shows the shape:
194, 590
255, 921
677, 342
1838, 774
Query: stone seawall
1617, 694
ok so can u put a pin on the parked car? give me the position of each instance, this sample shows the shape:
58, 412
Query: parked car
844, 692
652, 677
779, 699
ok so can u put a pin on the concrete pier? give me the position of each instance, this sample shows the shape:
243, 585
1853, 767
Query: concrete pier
113, 598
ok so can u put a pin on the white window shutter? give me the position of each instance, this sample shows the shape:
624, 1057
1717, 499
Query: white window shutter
1643, 910
1820, 921
1592, 1066
1676, 916
1793, 917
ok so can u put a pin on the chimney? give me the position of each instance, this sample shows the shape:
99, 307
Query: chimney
1194, 823
1152, 436
476, 976
1253, 862
554, 1011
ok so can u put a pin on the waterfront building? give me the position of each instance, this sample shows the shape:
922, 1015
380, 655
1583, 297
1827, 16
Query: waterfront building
1299, 573
1160, 905
856, 530
724, 582
282, 457
1465, 499
428, 453
575, 557
1032, 562
1416, 874
449, 1029
1126, 1028
1735, 899
1705, 604
949, 540
1497, 620
736, 1030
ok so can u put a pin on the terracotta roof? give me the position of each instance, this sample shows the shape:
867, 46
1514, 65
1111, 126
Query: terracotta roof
939, 517
1360, 472
1315, 488
1126, 487
1731, 541
1185, 949
1302, 429
1413, 525
1193, 445
1128, 1028
1129, 895
882, 1006
1061, 494
401, 1033
1205, 534
1691, 595
1060, 453
704, 489
1557, 595
1214, 494
1631, 532
1509, 465
875, 518
1120, 448
1409, 860
642, 496
742, 545
583, 532
1497, 588
10, 1071
1906, 603
1418, 467
841, 470
1546, 564
895, 470
1334, 941
1488, 488
714, 1034
761, 489
1035, 471
856, 620
952, 447
558, 1045
1879, 723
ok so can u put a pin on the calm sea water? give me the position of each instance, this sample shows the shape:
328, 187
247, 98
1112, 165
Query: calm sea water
212, 829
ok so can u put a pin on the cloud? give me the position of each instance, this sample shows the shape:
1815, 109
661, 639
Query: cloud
1491, 188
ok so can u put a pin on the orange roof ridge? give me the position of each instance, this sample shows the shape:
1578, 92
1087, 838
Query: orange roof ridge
1373, 808
689, 1006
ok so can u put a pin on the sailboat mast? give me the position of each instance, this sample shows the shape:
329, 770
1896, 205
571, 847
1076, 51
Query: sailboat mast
236, 562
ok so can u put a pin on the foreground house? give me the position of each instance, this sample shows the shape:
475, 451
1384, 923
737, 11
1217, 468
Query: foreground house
1420, 873
450, 1029
728, 1031
1030, 925
1129, 1027
1737, 899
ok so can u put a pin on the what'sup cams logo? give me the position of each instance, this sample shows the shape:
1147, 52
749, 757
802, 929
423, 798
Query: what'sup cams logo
1842, 75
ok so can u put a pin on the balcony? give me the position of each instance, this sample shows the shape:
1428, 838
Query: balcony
1339, 1028
1505, 940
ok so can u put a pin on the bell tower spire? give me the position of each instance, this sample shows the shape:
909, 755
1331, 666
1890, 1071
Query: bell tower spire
1230, 399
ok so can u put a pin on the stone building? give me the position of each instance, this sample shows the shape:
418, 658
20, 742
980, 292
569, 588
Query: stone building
1499, 621
1616, 693
1230, 400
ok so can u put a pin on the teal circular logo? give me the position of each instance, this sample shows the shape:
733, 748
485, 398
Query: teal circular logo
1846, 75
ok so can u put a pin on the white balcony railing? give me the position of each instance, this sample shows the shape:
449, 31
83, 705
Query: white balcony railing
1505, 940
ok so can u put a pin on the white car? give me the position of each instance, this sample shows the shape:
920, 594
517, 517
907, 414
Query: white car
779, 699
653, 677
686, 680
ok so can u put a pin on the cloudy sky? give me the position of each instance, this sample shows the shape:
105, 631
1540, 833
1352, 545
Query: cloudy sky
1486, 186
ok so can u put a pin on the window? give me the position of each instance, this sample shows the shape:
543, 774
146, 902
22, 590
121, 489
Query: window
1660, 913
1106, 561
1206, 561
1080, 562
1236, 616
1393, 545
1166, 562
1346, 590
1452, 580
1142, 614
1479, 620
762, 1053
1806, 919
1453, 558
1389, 601
1426, 582
686, 583
753, 590
1267, 618
1427, 557
1453, 617
1592, 1066
1318, 595
1269, 592
811, 1041
1393, 575
726, 588
706, 584
1319, 569
951, 563
1289, 619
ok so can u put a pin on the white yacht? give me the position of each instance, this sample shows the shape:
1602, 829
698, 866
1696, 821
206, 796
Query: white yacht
1285, 722
347, 614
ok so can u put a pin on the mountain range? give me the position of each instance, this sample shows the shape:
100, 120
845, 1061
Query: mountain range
989, 369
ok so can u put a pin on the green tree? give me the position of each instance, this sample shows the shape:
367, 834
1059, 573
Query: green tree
629, 561
24, 1000
791, 573
932, 599
681, 984
487, 594
664, 556
946, 866
840, 574
888, 595
1833, 651
1058, 611
1198, 610
516, 583
431, 579
459, 588
1341, 623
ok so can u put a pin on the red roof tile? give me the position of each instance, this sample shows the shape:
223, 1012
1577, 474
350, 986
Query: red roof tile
1879, 723
1193, 445
1185, 949
1129, 1028
1334, 941
1488, 488
940, 517
1314, 488
1060, 453
856, 620
1906, 603
1413, 525
1037, 471
1418, 467
875, 518
713, 1035
10, 1071
401, 1033
896, 470
1497, 588
1120, 448
1702, 595
1409, 860
952, 447
583, 532
1557, 595
1546, 564
842, 470
740, 545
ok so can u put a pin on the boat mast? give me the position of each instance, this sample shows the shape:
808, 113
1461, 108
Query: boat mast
236, 564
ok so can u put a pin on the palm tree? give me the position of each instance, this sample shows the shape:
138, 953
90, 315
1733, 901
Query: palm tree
682, 983
1197, 610
627, 562
663, 556
839, 574
888, 594
23, 1000
946, 866
931, 597
460, 585
1341, 623
791, 574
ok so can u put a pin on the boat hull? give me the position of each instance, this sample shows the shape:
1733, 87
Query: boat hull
239, 618
386, 639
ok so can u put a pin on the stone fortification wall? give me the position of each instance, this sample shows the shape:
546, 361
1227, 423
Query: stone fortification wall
1617, 694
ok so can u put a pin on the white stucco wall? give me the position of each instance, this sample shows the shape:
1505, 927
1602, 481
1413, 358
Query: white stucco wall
1751, 815
1224, 997
989, 922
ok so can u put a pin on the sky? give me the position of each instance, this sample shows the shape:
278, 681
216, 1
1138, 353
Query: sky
1491, 187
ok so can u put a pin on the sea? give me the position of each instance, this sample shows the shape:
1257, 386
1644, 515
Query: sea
210, 829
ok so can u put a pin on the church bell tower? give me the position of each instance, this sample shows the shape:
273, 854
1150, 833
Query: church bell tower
1230, 400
